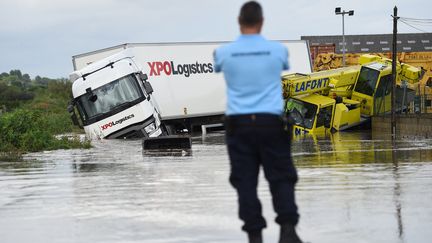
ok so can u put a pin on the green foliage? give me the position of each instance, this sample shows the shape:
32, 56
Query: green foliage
30, 131
36, 113
14, 89
52, 100
16, 73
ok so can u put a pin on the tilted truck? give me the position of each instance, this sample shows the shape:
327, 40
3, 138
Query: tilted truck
342, 98
184, 91
114, 100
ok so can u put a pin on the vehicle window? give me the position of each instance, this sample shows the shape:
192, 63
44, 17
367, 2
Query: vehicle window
384, 86
367, 81
114, 96
383, 90
302, 113
324, 116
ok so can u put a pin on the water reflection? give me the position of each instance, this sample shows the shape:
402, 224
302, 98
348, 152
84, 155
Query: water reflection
397, 192
354, 186
358, 148
20, 166
215, 138
360, 163
167, 152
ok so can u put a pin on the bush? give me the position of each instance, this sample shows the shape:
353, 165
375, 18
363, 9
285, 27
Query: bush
31, 130
37, 113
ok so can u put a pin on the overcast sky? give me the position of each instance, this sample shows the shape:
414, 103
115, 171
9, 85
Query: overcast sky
39, 37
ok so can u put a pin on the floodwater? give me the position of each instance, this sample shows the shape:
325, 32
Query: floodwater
353, 187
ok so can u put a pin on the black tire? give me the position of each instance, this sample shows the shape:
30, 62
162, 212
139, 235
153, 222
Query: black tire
168, 129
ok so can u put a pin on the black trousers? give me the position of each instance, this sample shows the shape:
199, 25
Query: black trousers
254, 140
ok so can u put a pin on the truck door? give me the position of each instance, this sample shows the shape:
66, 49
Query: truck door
324, 117
382, 97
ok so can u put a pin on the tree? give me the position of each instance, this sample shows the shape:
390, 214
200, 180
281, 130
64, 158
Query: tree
12, 80
26, 77
4, 75
41, 81
16, 73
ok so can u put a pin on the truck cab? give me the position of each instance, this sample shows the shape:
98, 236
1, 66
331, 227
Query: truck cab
374, 85
318, 114
319, 102
373, 89
114, 100
310, 114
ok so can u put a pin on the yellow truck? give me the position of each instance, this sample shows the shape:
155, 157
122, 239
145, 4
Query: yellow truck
342, 98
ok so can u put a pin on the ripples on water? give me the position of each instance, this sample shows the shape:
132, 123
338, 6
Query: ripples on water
353, 187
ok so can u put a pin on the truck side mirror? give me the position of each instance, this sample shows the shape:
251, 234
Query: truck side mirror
70, 108
143, 76
148, 87
73, 116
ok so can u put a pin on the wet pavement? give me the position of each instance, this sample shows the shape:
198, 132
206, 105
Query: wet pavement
354, 187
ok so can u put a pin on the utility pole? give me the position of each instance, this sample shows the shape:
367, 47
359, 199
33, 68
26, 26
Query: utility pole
394, 60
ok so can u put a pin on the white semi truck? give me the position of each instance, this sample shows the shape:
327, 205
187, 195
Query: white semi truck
114, 99
184, 91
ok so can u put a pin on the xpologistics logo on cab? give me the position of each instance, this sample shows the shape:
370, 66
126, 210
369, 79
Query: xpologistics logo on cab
111, 124
169, 68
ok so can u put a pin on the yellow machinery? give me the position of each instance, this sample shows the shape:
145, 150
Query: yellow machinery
317, 114
422, 60
374, 84
342, 98
310, 106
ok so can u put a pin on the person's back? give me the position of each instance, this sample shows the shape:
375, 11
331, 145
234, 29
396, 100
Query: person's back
255, 131
256, 86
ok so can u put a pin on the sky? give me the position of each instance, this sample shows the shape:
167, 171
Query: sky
39, 37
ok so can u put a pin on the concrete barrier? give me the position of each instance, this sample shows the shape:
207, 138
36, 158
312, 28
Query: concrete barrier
411, 125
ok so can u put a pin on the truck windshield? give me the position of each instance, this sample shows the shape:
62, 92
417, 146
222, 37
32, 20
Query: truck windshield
367, 81
111, 98
302, 112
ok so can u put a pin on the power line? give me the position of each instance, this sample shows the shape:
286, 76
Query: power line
419, 24
416, 20
412, 26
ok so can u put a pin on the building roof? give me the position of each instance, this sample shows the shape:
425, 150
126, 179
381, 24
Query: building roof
416, 42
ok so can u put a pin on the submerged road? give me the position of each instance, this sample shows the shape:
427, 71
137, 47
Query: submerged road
354, 187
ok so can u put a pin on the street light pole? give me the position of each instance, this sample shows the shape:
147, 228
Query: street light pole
343, 40
350, 13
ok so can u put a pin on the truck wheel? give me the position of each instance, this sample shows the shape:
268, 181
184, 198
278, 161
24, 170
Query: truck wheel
168, 129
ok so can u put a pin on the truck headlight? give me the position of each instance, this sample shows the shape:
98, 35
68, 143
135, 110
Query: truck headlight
150, 128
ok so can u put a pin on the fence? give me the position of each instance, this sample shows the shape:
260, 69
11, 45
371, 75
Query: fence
407, 102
